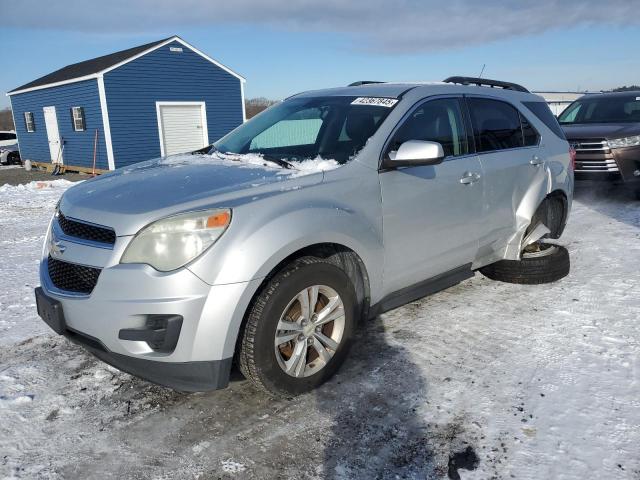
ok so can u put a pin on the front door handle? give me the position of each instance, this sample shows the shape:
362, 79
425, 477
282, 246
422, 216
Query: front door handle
536, 160
469, 177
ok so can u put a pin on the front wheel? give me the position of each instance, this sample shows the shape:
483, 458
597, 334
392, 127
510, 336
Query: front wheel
299, 328
14, 159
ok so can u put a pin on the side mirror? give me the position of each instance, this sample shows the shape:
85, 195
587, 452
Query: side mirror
417, 152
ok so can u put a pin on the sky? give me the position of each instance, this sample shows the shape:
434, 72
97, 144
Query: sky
285, 46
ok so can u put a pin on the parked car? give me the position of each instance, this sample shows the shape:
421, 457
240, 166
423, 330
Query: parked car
330, 207
10, 155
604, 130
8, 137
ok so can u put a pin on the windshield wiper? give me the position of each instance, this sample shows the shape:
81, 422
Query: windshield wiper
283, 163
269, 158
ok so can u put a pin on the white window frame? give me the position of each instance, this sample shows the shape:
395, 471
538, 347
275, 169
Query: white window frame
76, 119
203, 116
30, 122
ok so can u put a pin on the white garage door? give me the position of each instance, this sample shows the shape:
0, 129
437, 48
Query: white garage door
183, 127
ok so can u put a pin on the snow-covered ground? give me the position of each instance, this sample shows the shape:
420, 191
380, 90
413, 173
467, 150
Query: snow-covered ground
25, 211
527, 382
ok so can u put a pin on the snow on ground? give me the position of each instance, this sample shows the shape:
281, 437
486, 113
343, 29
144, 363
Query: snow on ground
25, 211
527, 382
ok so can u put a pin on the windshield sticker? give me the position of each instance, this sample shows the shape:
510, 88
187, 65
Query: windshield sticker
375, 101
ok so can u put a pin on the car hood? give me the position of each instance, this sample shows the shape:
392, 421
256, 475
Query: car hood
601, 130
132, 197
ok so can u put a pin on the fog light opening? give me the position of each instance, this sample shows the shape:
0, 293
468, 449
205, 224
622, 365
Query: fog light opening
161, 332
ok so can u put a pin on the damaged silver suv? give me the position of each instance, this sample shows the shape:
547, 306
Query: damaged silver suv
267, 248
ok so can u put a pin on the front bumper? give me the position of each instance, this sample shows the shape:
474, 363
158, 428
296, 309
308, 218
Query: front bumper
626, 168
628, 160
127, 296
183, 376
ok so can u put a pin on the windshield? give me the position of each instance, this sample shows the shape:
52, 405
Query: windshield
332, 128
614, 109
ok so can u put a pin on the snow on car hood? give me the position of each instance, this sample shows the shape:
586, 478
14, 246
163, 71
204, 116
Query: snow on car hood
131, 197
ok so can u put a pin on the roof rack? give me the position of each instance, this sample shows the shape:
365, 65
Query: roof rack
363, 82
485, 82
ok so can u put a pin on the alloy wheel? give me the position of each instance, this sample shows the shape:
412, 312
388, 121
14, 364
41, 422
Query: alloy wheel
309, 331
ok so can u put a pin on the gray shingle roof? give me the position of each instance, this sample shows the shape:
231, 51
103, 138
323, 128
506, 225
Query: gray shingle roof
88, 67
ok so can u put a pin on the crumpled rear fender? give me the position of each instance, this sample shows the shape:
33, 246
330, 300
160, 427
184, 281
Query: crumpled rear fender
556, 177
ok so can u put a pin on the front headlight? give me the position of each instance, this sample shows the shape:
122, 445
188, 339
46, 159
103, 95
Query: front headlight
624, 142
174, 241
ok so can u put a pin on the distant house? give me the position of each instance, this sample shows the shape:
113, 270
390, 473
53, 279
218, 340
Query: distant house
154, 100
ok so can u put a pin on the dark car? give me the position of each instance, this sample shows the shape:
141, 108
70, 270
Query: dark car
604, 130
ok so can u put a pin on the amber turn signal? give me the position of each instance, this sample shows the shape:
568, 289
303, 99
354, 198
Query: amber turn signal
218, 220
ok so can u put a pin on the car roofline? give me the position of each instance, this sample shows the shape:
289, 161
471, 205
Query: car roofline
399, 89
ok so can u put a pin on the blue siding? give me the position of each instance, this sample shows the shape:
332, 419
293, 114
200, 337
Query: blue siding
78, 148
133, 89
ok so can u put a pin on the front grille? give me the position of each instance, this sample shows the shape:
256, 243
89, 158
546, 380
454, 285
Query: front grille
594, 155
71, 277
86, 231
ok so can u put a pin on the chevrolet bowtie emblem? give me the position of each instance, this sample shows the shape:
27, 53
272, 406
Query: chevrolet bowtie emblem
57, 248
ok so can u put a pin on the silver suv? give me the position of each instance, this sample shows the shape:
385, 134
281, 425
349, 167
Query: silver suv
267, 248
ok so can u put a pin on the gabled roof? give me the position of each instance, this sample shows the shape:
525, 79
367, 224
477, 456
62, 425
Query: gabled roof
97, 66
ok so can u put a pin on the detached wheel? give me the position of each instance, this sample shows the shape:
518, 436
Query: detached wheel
540, 263
299, 328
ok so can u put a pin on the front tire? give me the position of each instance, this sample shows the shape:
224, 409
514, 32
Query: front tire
545, 264
299, 328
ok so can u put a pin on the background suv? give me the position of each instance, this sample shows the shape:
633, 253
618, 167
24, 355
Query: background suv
604, 130
327, 208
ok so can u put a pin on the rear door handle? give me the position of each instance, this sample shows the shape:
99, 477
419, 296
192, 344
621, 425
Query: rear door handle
536, 160
469, 177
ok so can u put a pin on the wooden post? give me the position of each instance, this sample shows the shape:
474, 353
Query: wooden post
95, 151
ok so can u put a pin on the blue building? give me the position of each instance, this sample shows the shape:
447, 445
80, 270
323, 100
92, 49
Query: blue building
154, 100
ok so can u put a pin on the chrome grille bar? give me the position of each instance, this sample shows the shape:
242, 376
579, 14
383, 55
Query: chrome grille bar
593, 155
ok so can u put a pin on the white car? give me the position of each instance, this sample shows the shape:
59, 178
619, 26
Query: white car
9, 153
8, 137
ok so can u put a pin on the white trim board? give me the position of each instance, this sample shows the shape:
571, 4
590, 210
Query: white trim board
203, 119
15, 125
55, 84
244, 107
130, 59
105, 123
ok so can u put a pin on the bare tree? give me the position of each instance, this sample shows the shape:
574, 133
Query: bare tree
630, 88
254, 106
6, 120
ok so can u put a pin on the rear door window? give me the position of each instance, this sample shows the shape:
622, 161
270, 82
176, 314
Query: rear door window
496, 125
529, 134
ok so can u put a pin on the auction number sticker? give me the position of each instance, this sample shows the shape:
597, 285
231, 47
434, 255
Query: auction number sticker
375, 101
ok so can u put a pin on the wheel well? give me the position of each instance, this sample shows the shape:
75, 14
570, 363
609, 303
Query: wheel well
344, 258
553, 212
341, 256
